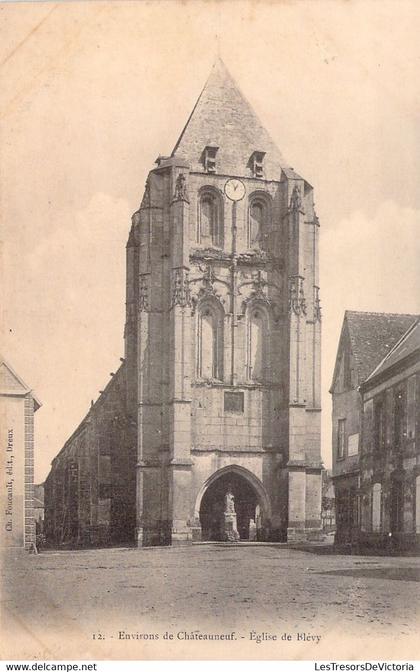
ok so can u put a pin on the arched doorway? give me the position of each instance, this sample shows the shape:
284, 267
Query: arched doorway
250, 505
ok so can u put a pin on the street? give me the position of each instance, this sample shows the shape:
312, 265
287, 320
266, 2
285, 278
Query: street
279, 602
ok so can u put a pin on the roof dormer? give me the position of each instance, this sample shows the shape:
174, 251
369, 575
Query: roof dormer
209, 157
256, 162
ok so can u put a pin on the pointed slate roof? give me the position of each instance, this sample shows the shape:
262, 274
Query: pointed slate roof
222, 117
407, 345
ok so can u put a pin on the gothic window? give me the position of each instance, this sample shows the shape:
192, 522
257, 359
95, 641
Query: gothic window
257, 346
210, 231
376, 507
209, 340
258, 220
341, 438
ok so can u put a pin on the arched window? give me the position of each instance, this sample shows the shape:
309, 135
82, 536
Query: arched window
256, 224
256, 346
376, 507
209, 342
210, 225
259, 214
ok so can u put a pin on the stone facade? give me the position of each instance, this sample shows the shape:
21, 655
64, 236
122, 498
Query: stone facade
365, 339
222, 340
17, 407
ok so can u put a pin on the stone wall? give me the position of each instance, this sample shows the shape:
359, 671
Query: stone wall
185, 419
90, 491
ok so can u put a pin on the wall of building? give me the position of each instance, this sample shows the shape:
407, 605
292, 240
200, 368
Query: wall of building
183, 416
90, 490
390, 462
17, 408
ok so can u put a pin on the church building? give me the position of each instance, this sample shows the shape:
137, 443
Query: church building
218, 396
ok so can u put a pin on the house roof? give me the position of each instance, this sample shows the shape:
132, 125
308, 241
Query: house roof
11, 384
407, 345
223, 118
371, 336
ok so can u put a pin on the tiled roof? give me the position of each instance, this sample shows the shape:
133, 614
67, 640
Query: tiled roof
407, 345
222, 117
373, 335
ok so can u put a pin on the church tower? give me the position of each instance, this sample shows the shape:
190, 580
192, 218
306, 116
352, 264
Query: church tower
222, 337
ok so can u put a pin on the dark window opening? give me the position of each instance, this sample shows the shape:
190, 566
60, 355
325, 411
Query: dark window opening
256, 161
209, 158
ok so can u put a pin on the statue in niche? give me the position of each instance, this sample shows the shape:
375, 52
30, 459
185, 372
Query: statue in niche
296, 198
181, 188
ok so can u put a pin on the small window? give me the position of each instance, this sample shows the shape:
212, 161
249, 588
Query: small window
256, 161
209, 158
234, 402
341, 438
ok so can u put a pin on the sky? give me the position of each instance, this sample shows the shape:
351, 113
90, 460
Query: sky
93, 92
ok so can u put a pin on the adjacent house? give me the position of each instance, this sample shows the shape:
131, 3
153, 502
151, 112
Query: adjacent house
366, 338
390, 448
17, 407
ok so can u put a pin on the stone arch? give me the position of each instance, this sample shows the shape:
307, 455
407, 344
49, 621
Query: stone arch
250, 517
253, 480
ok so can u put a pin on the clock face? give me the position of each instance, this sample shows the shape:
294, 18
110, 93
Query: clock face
235, 189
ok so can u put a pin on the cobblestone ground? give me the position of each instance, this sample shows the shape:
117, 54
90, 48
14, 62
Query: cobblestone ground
55, 596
